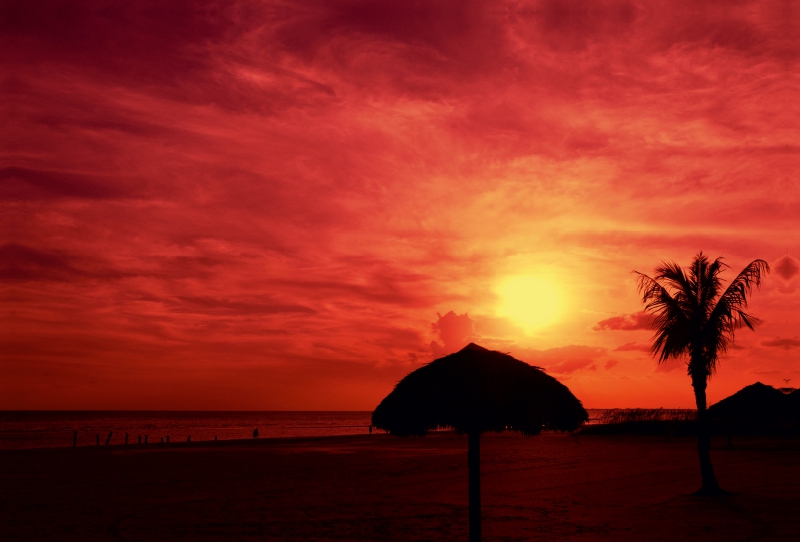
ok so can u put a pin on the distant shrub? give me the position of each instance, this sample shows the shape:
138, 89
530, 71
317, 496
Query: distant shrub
644, 421
629, 415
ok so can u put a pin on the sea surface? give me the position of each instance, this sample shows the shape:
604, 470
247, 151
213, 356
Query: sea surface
55, 428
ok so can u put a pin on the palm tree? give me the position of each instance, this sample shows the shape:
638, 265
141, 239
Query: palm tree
695, 319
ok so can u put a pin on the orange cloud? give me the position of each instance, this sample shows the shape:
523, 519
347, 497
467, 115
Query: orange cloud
632, 346
562, 360
626, 322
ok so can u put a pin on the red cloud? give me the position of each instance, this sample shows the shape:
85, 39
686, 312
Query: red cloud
29, 184
22, 263
454, 330
564, 359
632, 346
786, 344
626, 322
667, 367
786, 267
569, 366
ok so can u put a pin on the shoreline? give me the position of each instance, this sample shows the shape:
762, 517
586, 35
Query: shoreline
266, 441
57, 429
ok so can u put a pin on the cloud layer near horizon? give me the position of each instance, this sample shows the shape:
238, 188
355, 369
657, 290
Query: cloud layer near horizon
266, 205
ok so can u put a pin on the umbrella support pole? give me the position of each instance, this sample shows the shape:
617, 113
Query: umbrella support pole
474, 460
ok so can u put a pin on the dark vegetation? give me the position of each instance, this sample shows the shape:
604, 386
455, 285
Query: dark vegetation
757, 409
642, 421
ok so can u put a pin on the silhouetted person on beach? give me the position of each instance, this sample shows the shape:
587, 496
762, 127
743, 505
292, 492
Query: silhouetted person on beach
255, 432
370, 429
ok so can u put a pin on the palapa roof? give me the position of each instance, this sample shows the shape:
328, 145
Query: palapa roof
756, 401
481, 390
794, 404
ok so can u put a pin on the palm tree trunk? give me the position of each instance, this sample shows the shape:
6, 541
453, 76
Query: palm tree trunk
474, 460
710, 484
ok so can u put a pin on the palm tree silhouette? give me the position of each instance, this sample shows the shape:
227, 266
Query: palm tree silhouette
695, 319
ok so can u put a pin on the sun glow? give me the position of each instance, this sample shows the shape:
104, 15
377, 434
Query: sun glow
530, 301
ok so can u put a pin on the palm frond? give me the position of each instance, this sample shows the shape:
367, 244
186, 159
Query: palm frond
671, 337
728, 314
691, 317
682, 286
709, 282
734, 299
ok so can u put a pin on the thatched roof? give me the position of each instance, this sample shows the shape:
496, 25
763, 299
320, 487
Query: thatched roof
794, 404
481, 390
756, 401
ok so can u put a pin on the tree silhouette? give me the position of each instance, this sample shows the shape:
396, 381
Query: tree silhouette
696, 320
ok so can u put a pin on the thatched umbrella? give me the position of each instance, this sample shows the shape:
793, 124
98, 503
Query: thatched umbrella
757, 402
756, 407
473, 391
794, 405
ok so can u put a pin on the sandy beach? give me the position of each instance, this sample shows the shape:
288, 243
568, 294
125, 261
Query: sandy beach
378, 487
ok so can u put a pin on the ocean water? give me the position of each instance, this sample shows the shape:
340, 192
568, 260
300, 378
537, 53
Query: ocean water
49, 429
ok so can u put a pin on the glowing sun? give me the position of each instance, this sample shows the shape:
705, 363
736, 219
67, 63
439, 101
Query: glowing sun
530, 301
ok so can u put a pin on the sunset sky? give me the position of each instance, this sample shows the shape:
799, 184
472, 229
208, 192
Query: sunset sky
289, 205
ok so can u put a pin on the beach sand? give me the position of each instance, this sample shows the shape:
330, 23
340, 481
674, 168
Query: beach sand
378, 487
